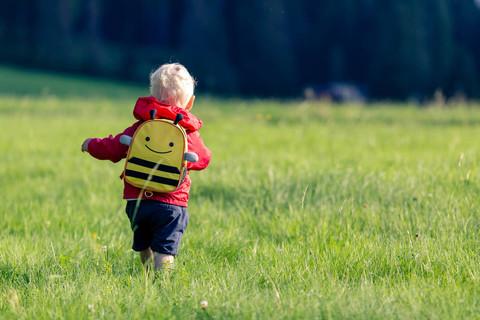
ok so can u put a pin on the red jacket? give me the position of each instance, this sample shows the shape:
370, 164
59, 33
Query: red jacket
111, 149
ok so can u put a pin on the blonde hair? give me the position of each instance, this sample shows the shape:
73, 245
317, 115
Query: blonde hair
173, 84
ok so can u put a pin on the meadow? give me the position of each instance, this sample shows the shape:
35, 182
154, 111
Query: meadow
308, 210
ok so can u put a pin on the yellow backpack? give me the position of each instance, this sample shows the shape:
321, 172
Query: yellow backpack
157, 155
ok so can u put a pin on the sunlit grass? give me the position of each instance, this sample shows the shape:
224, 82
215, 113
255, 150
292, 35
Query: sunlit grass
307, 211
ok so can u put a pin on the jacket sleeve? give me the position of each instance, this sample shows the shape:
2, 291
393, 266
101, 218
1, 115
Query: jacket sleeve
110, 148
196, 144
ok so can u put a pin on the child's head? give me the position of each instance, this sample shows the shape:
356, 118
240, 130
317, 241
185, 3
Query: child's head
173, 84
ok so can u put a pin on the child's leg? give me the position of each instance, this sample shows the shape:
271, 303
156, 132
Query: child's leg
168, 224
142, 236
163, 261
146, 255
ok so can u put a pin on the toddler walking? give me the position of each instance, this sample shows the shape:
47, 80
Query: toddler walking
158, 220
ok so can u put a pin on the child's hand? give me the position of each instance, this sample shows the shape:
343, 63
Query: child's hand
85, 145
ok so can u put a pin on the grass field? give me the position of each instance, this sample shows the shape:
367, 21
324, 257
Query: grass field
307, 210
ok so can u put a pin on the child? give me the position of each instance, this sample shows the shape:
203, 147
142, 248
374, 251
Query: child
158, 219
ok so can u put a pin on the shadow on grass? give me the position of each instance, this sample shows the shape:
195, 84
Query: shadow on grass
441, 118
16, 276
34, 83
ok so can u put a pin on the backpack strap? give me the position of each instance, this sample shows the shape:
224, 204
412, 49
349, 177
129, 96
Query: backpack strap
153, 113
178, 118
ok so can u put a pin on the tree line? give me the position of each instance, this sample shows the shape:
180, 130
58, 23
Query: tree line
395, 49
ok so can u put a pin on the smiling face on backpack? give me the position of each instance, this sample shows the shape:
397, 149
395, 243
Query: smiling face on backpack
158, 145
157, 139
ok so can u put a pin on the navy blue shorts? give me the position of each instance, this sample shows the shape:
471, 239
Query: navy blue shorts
157, 225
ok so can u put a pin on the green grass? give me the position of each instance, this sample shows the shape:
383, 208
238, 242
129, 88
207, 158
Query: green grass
307, 211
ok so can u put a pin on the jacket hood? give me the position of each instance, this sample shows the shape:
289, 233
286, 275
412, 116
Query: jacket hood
144, 105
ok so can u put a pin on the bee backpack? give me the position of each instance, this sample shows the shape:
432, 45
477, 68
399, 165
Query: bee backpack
157, 155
